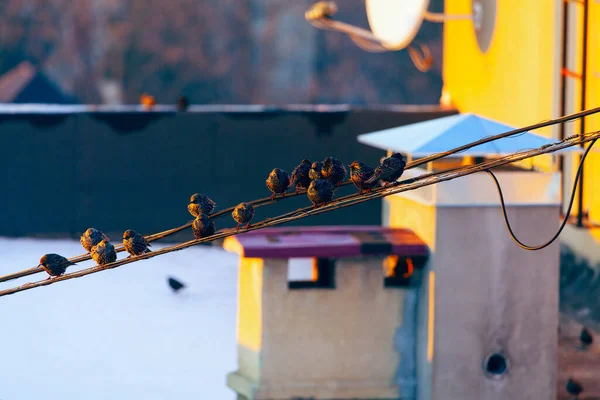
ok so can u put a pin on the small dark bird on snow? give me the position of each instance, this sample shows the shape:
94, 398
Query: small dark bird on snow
389, 170
300, 178
573, 387
91, 237
333, 170
201, 204
54, 264
134, 243
359, 174
203, 226
315, 171
585, 338
320, 191
278, 182
175, 284
243, 214
182, 103
104, 253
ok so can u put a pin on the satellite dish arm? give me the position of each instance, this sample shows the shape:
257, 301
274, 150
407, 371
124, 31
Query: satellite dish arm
476, 16
440, 17
319, 15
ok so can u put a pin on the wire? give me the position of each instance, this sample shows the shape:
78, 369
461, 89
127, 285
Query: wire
346, 201
566, 218
267, 200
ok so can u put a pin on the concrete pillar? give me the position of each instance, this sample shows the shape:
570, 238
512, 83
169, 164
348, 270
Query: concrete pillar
335, 342
488, 311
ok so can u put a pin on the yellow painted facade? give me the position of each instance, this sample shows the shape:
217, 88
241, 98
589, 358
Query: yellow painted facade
591, 190
249, 318
517, 81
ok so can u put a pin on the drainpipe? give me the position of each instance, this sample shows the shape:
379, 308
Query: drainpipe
583, 90
563, 94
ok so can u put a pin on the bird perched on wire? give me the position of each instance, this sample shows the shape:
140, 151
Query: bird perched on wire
278, 182
54, 264
174, 284
315, 171
333, 170
390, 169
203, 226
359, 174
585, 338
91, 237
201, 204
182, 103
104, 253
573, 387
243, 214
300, 178
134, 243
320, 191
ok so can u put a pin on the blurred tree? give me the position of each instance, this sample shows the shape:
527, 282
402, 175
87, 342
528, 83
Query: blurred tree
212, 51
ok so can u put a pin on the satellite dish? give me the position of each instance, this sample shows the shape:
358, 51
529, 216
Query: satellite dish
395, 22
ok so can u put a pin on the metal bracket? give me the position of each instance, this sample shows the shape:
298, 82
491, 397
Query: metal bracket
476, 16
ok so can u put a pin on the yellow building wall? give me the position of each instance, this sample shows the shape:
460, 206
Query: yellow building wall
591, 189
517, 80
249, 318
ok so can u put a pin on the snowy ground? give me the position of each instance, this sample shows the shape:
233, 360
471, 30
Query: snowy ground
119, 334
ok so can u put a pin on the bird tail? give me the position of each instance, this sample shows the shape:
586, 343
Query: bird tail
148, 251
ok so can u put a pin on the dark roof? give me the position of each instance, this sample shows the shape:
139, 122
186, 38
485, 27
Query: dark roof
27, 84
326, 241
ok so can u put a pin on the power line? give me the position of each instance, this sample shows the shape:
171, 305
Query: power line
567, 214
346, 201
267, 200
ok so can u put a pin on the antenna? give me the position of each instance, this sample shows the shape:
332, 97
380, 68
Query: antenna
395, 23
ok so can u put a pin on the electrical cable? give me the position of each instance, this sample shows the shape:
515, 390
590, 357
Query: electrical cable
567, 214
346, 201
267, 200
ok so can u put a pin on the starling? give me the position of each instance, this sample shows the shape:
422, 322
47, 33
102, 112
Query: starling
359, 174
243, 214
278, 182
300, 178
182, 103
54, 264
91, 237
586, 338
134, 243
201, 204
175, 284
333, 170
104, 253
203, 226
320, 191
315, 171
573, 387
389, 170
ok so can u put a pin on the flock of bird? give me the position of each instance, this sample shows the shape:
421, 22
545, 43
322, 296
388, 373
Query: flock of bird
318, 179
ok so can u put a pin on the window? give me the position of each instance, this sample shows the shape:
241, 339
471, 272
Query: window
403, 271
311, 273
